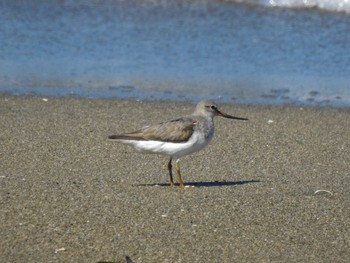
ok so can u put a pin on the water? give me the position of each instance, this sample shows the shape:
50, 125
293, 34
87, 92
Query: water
232, 52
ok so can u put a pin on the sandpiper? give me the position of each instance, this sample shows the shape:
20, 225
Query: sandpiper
177, 137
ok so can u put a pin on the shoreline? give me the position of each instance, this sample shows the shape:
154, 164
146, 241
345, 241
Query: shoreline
274, 188
190, 100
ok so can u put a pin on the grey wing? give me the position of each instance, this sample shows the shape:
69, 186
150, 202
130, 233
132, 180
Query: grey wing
177, 130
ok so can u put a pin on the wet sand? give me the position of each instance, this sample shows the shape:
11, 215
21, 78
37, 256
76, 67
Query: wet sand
273, 189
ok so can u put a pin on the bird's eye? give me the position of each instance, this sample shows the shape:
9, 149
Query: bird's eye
213, 107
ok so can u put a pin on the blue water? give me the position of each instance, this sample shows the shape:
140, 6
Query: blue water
176, 50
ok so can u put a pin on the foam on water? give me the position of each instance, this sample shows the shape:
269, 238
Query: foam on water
329, 5
326, 5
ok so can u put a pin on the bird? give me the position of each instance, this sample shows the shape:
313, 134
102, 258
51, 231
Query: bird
176, 137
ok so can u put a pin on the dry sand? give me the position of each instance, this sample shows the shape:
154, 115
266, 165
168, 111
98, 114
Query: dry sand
69, 195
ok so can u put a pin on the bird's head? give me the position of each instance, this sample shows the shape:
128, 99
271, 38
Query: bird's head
210, 108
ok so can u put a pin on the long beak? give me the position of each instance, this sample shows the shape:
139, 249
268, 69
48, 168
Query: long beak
222, 114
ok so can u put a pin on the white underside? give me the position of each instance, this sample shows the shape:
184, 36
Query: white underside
175, 150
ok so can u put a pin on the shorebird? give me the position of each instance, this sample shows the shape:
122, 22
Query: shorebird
177, 137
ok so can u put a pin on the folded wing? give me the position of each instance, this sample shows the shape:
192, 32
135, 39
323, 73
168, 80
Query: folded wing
177, 130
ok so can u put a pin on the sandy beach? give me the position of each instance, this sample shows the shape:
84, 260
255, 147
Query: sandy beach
273, 189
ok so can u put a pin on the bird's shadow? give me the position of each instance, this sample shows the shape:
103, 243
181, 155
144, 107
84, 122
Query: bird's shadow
205, 184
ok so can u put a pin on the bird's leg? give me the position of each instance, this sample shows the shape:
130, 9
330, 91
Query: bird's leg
170, 172
181, 183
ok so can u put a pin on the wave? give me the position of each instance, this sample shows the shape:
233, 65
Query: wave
326, 5
341, 6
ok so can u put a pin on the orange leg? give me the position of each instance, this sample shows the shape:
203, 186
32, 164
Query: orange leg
170, 172
181, 183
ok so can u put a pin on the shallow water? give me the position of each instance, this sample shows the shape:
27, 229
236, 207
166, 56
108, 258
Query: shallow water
175, 50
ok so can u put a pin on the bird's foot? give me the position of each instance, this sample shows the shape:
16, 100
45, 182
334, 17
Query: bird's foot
181, 185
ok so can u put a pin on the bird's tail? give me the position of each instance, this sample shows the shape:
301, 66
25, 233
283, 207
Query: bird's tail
120, 137
114, 137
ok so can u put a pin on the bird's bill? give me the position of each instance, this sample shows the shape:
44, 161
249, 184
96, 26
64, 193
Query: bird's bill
225, 115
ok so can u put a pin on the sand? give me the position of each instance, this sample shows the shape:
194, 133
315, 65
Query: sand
273, 189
